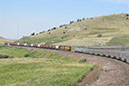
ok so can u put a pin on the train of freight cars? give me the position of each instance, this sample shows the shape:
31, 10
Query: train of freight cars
56, 47
117, 52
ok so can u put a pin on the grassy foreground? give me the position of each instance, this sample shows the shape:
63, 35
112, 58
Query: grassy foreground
41, 68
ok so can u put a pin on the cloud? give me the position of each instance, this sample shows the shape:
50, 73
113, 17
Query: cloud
116, 1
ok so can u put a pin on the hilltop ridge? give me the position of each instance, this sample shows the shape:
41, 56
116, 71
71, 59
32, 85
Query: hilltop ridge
113, 30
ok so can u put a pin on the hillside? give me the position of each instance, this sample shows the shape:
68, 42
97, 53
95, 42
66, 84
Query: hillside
113, 28
3, 40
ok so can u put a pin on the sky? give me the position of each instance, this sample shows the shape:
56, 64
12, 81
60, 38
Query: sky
20, 18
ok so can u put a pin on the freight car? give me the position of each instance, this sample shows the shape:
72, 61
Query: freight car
112, 52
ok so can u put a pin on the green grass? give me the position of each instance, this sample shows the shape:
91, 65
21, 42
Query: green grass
119, 40
41, 68
100, 69
47, 39
13, 51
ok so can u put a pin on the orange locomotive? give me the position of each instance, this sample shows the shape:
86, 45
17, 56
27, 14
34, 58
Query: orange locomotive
67, 48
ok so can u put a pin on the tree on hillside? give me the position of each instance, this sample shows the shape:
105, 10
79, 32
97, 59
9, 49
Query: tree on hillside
54, 28
32, 34
48, 30
78, 20
127, 14
71, 22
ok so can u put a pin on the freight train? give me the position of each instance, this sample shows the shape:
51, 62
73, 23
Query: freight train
116, 52
55, 47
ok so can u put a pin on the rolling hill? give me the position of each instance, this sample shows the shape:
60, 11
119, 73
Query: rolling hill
3, 40
109, 30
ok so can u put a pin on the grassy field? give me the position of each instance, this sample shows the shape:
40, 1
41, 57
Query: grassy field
3, 40
84, 33
40, 68
119, 40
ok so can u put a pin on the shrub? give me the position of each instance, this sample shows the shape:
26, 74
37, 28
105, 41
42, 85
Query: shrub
32, 34
54, 28
99, 35
26, 55
63, 32
71, 22
100, 68
5, 56
48, 30
127, 14
85, 28
65, 27
82, 60
11, 57
78, 20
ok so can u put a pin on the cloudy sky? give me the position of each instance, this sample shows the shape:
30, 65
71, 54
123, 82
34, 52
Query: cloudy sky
22, 17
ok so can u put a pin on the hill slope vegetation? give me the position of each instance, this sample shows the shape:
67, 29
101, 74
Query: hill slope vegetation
107, 30
40, 68
3, 40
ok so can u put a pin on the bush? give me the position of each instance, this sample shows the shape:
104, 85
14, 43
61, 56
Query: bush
32, 34
127, 14
78, 20
26, 55
82, 60
48, 30
100, 68
71, 22
11, 57
5, 56
54, 28
99, 35
65, 27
